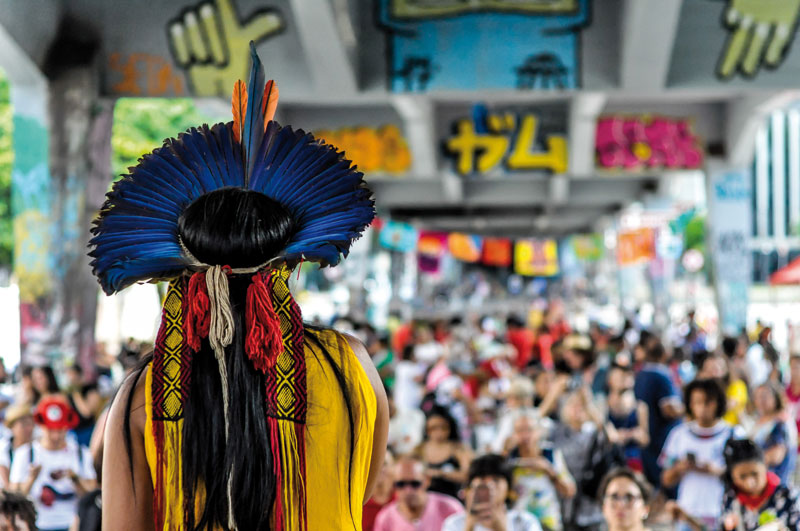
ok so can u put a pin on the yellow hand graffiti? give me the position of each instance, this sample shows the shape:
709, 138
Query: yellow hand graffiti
756, 25
211, 43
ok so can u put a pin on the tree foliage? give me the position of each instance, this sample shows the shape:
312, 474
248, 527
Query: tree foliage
142, 124
6, 163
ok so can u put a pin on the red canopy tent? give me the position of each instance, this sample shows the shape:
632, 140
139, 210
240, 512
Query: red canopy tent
789, 274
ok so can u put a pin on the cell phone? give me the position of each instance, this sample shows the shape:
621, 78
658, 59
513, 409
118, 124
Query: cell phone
482, 495
691, 458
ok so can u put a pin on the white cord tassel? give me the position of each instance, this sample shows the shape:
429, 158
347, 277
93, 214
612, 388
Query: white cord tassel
220, 335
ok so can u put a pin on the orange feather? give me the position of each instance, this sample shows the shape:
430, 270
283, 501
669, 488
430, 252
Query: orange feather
270, 101
239, 105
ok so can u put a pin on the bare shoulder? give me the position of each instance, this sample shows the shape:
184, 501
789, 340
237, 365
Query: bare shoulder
133, 392
362, 355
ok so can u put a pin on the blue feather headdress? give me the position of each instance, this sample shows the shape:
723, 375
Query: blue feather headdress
136, 233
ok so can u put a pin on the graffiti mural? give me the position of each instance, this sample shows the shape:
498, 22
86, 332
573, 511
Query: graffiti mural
760, 34
373, 150
210, 42
481, 144
140, 74
643, 142
452, 44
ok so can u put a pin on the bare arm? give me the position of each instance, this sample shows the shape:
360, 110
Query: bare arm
642, 432
673, 475
551, 399
131, 491
88, 406
671, 408
381, 433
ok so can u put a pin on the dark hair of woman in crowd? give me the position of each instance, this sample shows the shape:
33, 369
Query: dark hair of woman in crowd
624, 472
44, 383
16, 508
713, 391
443, 413
739, 451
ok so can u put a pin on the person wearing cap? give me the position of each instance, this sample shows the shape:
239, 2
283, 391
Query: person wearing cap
51, 470
19, 420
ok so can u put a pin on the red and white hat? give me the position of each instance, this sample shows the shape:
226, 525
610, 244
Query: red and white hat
55, 414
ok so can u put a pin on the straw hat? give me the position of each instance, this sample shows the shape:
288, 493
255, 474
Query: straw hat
16, 412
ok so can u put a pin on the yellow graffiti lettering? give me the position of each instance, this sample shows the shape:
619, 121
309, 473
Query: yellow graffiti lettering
521, 158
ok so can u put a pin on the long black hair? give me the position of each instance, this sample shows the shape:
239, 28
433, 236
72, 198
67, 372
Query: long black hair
239, 228
443, 413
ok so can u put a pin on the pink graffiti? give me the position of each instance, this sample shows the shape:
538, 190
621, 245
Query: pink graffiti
634, 143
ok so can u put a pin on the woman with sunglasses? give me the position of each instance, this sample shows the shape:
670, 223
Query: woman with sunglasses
624, 495
755, 496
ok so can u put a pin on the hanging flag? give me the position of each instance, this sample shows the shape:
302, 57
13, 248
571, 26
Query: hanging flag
398, 236
496, 252
588, 247
430, 248
636, 246
464, 247
536, 258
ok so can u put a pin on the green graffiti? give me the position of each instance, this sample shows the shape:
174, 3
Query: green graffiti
761, 31
211, 43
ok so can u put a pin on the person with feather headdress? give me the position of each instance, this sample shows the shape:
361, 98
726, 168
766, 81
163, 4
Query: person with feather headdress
244, 417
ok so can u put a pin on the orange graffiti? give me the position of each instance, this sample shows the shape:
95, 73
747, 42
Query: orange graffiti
381, 150
145, 75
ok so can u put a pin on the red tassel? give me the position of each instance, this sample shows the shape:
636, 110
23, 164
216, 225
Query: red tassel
198, 318
264, 342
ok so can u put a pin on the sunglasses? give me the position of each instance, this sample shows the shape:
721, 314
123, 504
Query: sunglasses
413, 483
626, 499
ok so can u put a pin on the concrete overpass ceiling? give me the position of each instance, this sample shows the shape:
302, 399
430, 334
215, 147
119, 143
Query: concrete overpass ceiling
333, 62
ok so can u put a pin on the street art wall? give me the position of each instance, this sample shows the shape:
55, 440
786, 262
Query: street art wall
503, 141
633, 143
374, 150
483, 44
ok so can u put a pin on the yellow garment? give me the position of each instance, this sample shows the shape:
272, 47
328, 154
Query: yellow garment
332, 503
735, 393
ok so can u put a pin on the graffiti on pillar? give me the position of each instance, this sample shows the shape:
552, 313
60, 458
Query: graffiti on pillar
452, 44
210, 42
644, 142
141, 74
373, 150
30, 203
760, 33
484, 143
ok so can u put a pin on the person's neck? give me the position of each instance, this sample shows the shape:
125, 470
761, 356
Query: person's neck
637, 526
794, 385
415, 513
530, 450
48, 445
16, 442
707, 426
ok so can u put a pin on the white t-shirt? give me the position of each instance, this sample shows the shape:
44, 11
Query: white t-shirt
406, 429
53, 513
700, 495
407, 392
515, 521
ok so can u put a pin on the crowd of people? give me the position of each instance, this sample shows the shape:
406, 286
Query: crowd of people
495, 426
507, 424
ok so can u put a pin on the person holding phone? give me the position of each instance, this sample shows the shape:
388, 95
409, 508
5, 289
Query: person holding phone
487, 495
692, 458
52, 470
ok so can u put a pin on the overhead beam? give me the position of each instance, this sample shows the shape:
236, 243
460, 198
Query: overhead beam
418, 116
648, 33
326, 54
583, 112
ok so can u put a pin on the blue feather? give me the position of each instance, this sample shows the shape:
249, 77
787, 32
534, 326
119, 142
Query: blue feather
254, 119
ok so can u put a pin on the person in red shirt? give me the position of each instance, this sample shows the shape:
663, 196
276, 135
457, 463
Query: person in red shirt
522, 339
382, 495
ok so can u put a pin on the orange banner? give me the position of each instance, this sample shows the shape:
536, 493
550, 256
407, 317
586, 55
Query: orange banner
636, 246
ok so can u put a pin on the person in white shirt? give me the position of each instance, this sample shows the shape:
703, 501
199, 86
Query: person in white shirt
52, 470
487, 497
19, 421
693, 457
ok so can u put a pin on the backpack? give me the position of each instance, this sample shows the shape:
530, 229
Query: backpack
603, 457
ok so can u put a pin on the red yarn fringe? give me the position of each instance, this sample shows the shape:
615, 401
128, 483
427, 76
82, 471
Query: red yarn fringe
198, 317
264, 342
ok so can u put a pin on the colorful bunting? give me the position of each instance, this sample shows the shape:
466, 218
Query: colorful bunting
464, 247
398, 236
588, 247
636, 246
496, 252
536, 258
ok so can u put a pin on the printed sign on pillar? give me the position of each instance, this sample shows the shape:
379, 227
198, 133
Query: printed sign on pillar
730, 224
